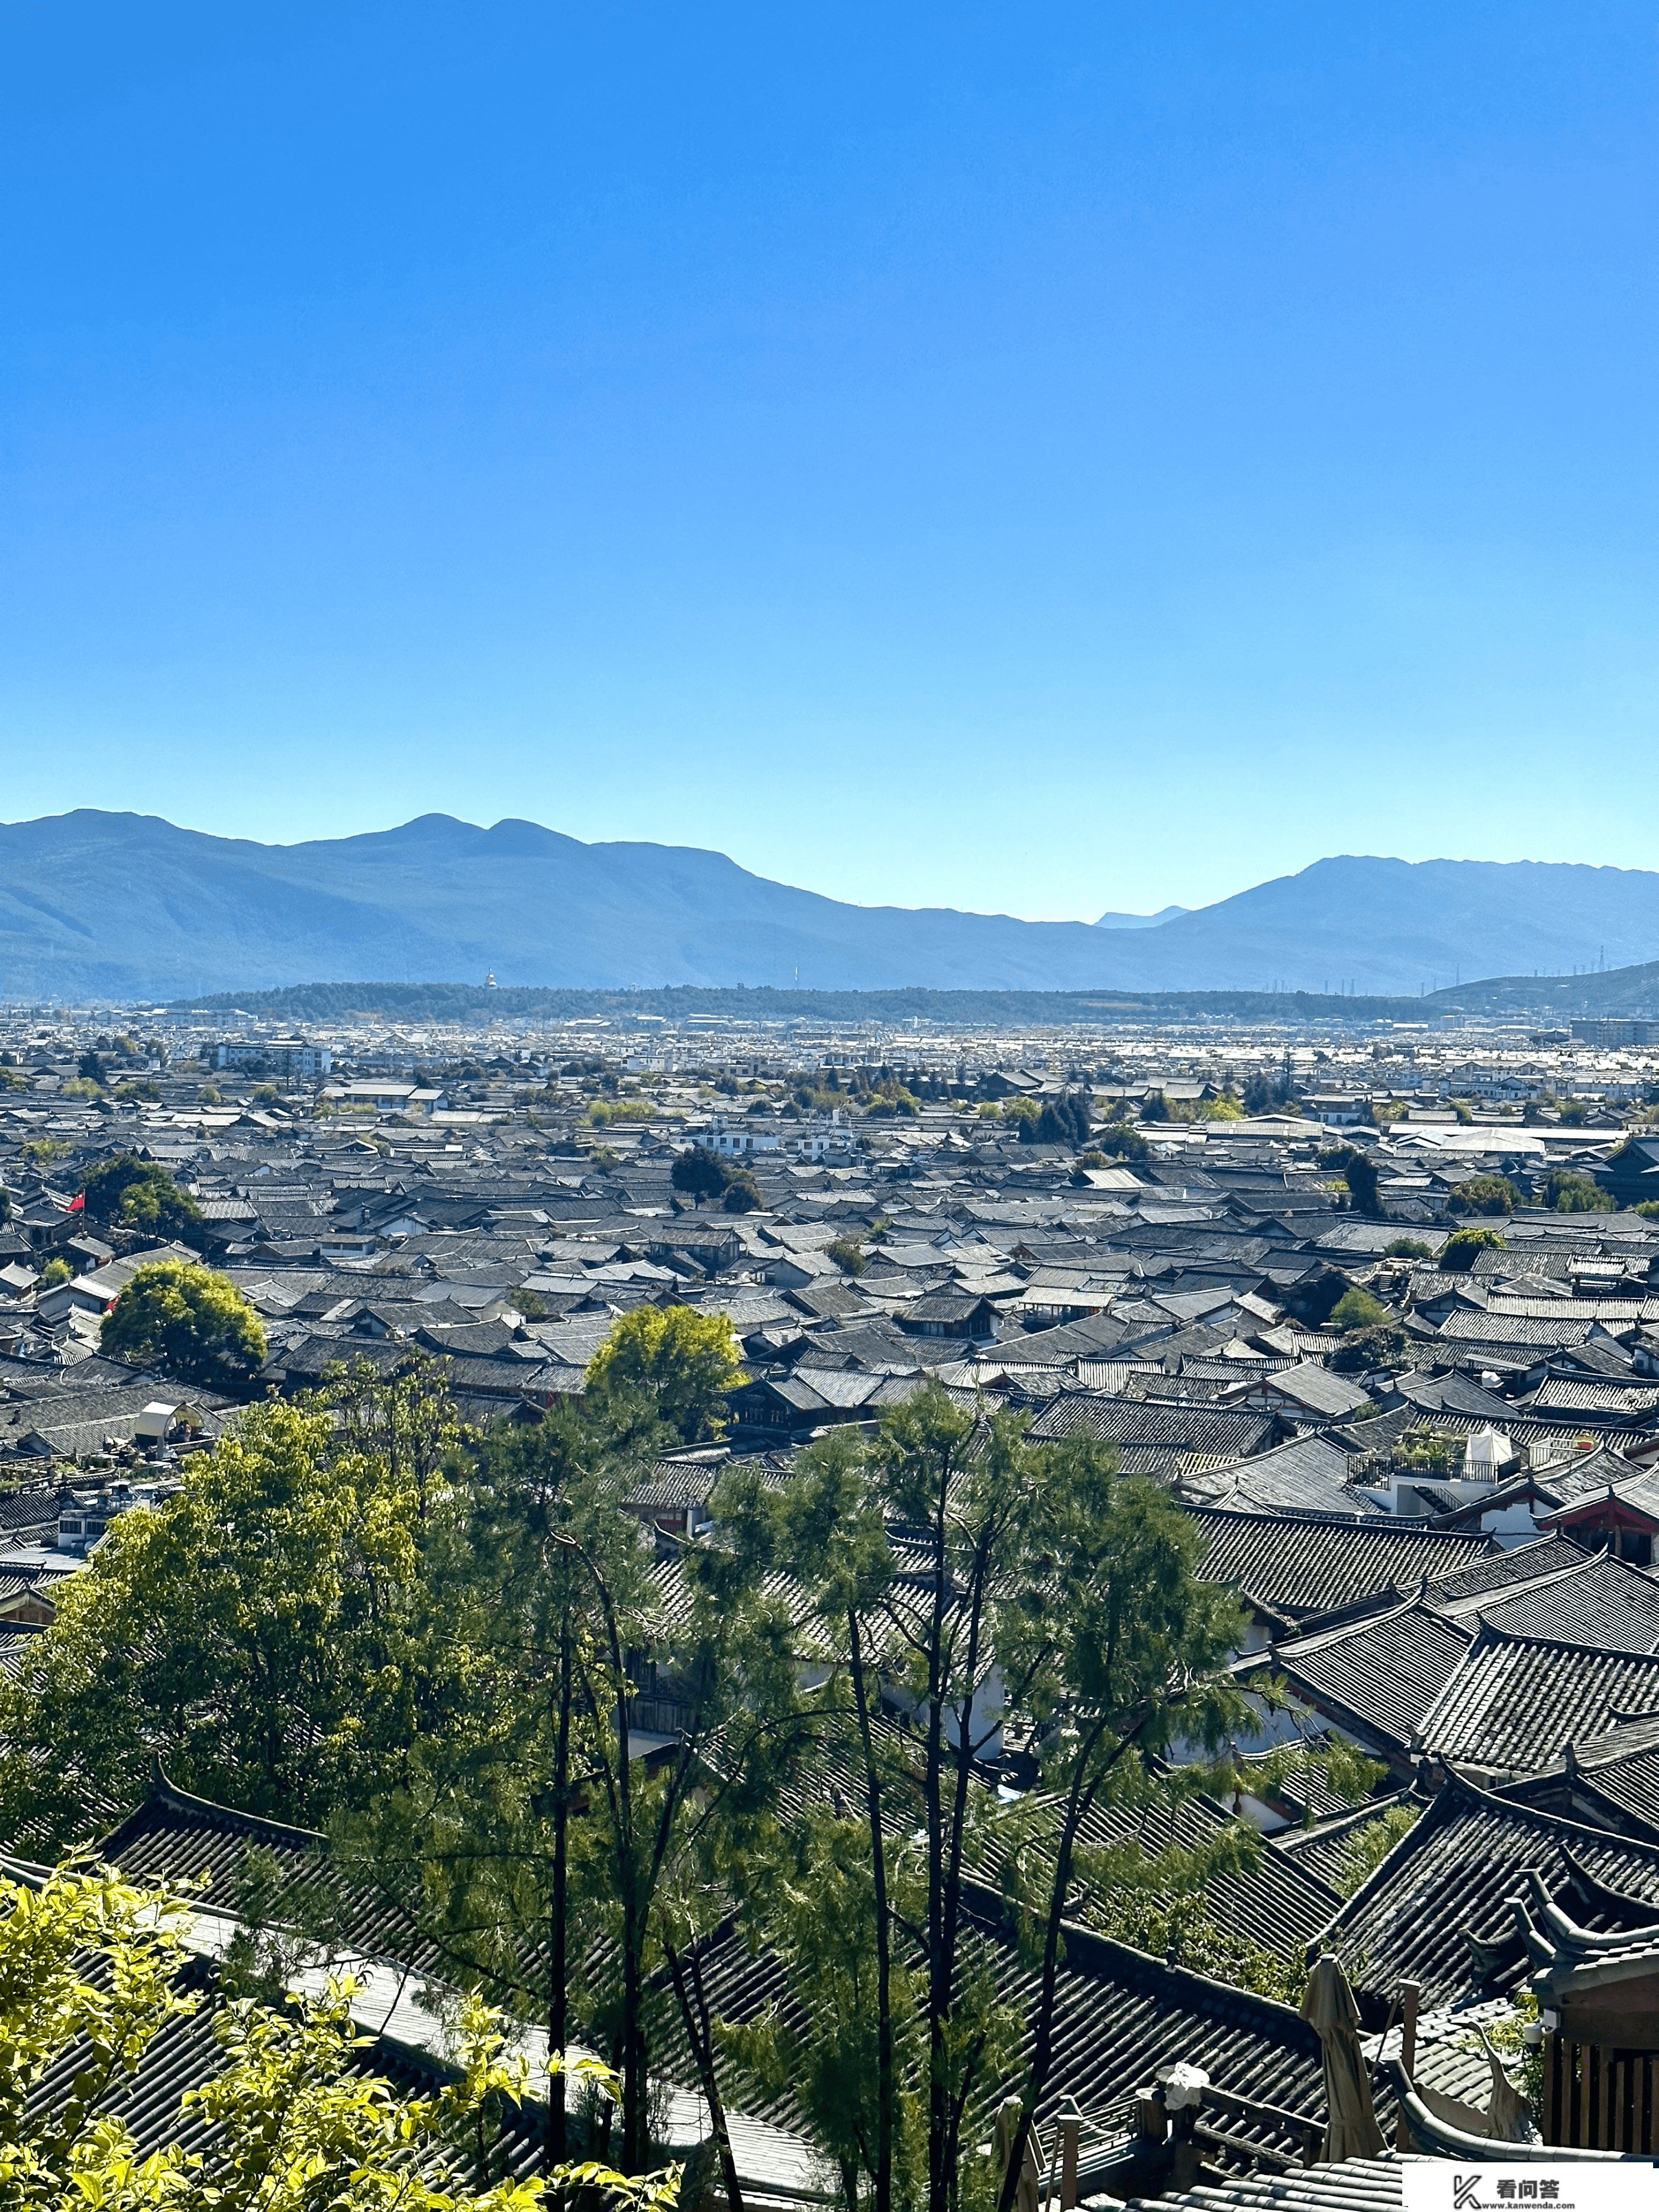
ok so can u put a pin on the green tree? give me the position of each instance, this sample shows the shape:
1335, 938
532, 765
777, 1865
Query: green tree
1464, 1247
1115, 1651
1359, 1172
257, 1630
1122, 1140
1407, 1247
1225, 1107
1036, 1568
1357, 1308
57, 1270
1369, 1845
1483, 1194
91, 1965
194, 1322
742, 1193
686, 1360
699, 1173
1064, 1120
124, 1192
849, 1255
1570, 1191
480, 1844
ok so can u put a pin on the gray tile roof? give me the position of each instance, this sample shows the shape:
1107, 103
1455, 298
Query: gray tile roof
1450, 1878
1516, 1702
1298, 1563
1382, 1676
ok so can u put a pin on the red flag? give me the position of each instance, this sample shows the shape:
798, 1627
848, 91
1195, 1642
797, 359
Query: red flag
77, 1202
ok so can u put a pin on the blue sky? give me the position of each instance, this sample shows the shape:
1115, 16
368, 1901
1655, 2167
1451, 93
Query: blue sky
1035, 459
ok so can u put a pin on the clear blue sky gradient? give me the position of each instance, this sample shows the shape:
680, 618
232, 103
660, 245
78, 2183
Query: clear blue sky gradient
1038, 459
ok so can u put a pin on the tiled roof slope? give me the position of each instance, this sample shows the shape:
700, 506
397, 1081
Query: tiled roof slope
175, 1838
1517, 1702
1122, 2015
1602, 1601
1382, 1675
1450, 1877
1299, 1564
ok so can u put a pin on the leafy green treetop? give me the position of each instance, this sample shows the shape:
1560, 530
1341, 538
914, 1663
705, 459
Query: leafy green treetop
1357, 1309
254, 1631
742, 1193
1483, 1193
127, 1193
699, 1173
1570, 1191
89, 1964
686, 1360
194, 1322
1464, 1247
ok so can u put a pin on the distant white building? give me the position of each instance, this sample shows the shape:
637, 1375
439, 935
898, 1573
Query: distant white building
284, 1056
745, 1136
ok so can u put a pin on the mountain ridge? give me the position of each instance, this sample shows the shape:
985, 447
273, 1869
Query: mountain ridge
127, 906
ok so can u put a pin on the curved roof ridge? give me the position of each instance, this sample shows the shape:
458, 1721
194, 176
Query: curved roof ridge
163, 1790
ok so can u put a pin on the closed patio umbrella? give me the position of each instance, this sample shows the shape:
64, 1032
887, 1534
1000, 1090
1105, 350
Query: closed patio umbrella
1327, 2006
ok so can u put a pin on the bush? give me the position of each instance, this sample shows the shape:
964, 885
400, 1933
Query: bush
1407, 1247
1484, 1194
1648, 1209
195, 1322
1570, 1192
1460, 1252
1357, 1308
849, 1255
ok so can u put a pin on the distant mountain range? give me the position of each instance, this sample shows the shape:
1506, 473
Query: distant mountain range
1140, 921
126, 906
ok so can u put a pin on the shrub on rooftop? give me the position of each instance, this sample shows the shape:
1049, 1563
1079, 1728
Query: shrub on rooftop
1460, 1252
1483, 1193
